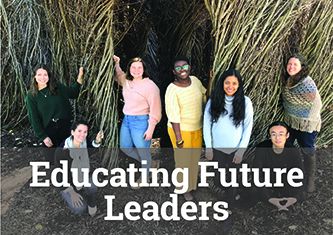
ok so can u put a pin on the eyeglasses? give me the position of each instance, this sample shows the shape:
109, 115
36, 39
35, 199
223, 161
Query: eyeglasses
274, 135
185, 67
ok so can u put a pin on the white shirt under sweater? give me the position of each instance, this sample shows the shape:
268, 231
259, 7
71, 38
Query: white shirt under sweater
226, 137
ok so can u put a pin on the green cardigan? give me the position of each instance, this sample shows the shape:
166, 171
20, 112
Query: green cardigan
42, 109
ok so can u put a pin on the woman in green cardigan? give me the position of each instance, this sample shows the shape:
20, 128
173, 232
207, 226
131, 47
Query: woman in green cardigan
49, 110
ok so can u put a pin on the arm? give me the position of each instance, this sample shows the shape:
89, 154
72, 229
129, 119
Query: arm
120, 75
203, 91
207, 125
74, 90
297, 162
35, 120
247, 129
155, 110
79, 79
179, 139
173, 113
62, 154
97, 142
258, 162
209, 84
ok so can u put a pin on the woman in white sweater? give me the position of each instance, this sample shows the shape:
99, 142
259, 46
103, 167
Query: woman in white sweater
227, 129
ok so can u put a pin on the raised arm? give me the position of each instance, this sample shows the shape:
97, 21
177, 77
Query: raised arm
120, 75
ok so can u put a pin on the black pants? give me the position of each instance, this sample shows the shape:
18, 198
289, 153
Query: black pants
57, 132
225, 161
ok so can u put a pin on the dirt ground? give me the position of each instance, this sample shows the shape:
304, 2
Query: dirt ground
30, 210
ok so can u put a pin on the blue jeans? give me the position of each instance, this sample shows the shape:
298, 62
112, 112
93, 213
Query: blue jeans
132, 142
91, 198
304, 139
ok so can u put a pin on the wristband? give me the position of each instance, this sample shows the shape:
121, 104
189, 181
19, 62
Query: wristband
180, 142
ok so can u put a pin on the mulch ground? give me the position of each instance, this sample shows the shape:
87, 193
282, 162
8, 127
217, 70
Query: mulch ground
43, 211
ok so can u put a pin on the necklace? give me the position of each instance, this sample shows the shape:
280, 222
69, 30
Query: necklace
45, 95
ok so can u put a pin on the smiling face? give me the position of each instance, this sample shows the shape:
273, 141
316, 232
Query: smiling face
42, 78
293, 66
80, 134
230, 86
136, 70
279, 136
182, 69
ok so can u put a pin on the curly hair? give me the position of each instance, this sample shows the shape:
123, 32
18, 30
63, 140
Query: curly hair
217, 106
145, 70
300, 76
51, 85
179, 58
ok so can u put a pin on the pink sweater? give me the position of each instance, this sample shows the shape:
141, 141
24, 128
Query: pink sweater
141, 97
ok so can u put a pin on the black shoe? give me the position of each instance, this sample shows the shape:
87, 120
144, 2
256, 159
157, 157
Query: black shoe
227, 224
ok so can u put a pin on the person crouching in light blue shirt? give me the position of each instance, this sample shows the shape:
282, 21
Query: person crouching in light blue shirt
228, 121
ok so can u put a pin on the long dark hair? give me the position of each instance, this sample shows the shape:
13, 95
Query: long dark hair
217, 105
145, 70
301, 75
51, 85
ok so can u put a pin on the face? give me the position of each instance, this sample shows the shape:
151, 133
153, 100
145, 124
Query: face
80, 133
42, 78
136, 70
182, 69
230, 85
279, 136
294, 66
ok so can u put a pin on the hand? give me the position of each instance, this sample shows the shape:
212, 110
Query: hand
276, 202
99, 137
79, 79
147, 135
209, 155
76, 198
116, 59
290, 201
48, 142
237, 159
180, 146
81, 72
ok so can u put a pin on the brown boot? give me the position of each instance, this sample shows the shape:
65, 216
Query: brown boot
310, 170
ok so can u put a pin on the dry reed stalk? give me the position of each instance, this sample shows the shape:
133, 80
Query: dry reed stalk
253, 37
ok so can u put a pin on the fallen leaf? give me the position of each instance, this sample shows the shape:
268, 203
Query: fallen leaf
293, 227
27, 211
328, 221
38, 227
10, 131
17, 138
34, 144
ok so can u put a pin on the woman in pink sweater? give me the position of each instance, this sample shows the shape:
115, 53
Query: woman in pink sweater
142, 111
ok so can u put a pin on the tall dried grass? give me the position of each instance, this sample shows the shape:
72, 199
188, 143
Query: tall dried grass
256, 37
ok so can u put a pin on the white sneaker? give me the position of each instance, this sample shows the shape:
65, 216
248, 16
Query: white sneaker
92, 211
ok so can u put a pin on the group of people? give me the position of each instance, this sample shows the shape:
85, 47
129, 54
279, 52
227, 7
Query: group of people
224, 123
